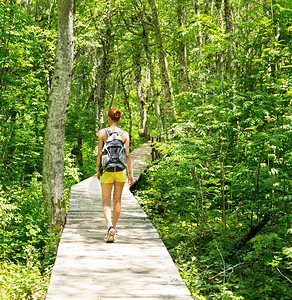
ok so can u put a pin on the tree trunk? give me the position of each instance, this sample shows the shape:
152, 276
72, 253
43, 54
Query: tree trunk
101, 79
252, 233
50, 13
102, 65
140, 86
77, 151
37, 10
228, 30
208, 7
99, 90
144, 130
128, 106
200, 38
182, 49
28, 6
220, 58
165, 76
152, 94
53, 155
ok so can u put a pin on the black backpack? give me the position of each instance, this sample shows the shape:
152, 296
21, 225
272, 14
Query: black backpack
113, 157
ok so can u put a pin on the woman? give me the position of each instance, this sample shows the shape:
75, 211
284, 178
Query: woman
113, 179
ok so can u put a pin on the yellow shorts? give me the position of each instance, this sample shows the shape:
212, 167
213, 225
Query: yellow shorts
111, 177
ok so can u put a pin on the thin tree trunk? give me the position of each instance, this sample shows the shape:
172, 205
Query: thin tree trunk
222, 157
128, 106
140, 86
143, 111
209, 10
200, 38
50, 13
165, 76
228, 17
28, 6
182, 49
285, 189
37, 9
228, 30
220, 58
208, 7
289, 226
152, 94
99, 92
101, 79
53, 155
114, 86
103, 66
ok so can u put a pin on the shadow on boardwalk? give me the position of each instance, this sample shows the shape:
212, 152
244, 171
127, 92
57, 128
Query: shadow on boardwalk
136, 266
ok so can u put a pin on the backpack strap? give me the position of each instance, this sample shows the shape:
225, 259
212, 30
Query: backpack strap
108, 131
119, 131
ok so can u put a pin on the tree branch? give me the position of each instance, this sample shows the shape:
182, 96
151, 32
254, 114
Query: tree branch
284, 275
229, 269
252, 233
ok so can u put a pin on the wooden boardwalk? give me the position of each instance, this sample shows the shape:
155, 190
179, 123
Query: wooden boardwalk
136, 266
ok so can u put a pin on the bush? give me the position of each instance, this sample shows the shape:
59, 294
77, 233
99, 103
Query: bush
27, 251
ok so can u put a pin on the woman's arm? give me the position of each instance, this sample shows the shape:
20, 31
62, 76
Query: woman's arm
128, 157
101, 137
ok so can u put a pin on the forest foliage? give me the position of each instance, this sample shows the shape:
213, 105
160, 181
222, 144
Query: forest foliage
221, 194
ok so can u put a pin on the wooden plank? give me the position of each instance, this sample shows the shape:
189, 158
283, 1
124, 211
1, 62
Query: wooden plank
136, 266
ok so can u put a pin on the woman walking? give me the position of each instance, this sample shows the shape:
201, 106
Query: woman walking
113, 176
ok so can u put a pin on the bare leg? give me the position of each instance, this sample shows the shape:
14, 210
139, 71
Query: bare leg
118, 188
106, 190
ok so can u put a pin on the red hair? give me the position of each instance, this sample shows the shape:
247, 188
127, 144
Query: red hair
114, 114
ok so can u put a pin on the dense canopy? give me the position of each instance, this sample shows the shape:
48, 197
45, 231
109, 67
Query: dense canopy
212, 78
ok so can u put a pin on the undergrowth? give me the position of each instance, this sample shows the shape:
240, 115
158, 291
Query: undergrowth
207, 228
